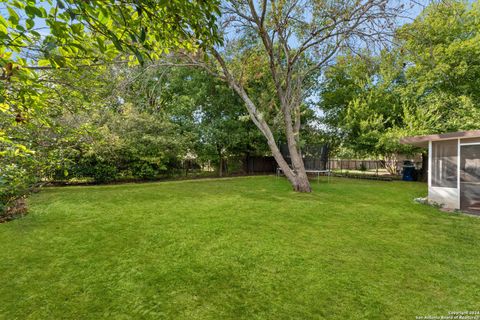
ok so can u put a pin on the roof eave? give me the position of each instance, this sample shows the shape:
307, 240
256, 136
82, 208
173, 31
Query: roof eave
422, 141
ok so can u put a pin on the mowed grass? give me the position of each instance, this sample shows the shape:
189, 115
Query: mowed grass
241, 248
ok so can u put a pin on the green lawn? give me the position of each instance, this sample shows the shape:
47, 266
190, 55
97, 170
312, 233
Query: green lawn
241, 248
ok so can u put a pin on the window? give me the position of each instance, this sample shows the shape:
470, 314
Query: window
444, 164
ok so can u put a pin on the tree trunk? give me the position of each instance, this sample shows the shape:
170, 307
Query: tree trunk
220, 167
424, 176
220, 161
296, 176
301, 183
391, 163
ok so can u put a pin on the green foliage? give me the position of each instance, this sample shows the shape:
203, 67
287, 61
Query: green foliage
36, 36
125, 143
209, 113
144, 171
441, 47
132, 30
428, 85
15, 182
360, 98
98, 169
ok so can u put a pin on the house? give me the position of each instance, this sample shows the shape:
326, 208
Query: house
453, 168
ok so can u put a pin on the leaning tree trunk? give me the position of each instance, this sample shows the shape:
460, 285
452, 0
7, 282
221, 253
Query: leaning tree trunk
296, 175
301, 183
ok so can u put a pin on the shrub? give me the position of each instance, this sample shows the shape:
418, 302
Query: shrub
144, 170
91, 167
15, 183
104, 172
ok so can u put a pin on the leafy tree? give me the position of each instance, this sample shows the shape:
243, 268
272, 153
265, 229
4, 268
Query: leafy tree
427, 85
206, 110
361, 99
296, 47
128, 143
37, 36
86, 33
442, 68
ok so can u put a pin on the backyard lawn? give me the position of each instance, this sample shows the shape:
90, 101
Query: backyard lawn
240, 248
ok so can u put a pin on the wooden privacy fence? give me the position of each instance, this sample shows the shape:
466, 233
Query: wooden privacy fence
340, 164
268, 164
348, 164
265, 164
365, 165
259, 165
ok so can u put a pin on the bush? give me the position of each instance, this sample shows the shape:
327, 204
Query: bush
15, 183
104, 172
100, 171
144, 171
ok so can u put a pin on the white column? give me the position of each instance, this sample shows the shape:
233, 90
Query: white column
430, 159
458, 173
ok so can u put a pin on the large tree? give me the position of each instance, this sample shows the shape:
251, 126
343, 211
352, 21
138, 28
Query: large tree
37, 36
427, 84
297, 39
68, 34
212, 112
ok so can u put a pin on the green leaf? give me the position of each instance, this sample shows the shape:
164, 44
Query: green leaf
3, 22
101, 44
77, 28
43, 63
13, 18
29, 24
32, 11
3, 30
139, 56
115, 41
143, 35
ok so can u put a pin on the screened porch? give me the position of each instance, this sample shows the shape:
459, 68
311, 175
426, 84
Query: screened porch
454, 169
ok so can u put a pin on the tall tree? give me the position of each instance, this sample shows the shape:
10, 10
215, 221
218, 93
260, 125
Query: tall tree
40, 35
440, 49
296, 46
428, 84
36, 36
212, 111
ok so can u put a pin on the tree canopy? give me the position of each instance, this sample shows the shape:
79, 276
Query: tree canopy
427, 84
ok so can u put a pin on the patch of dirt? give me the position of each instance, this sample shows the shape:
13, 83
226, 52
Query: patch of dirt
16, 210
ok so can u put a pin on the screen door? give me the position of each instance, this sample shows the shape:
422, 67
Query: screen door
470, 178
